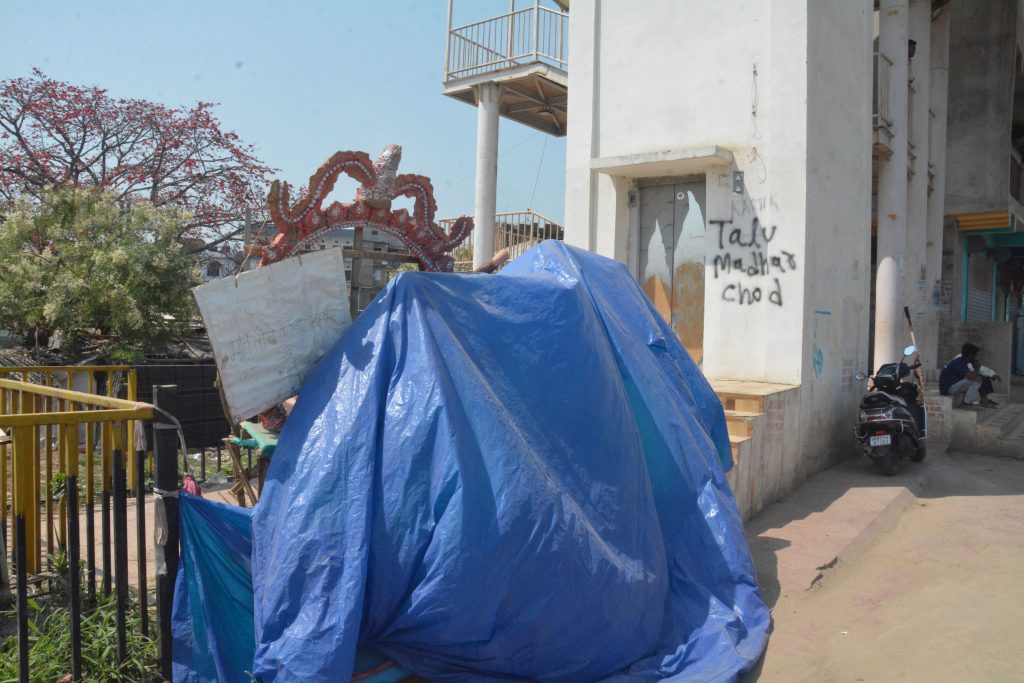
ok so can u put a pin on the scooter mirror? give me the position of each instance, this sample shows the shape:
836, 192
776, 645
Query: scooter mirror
860, 376
909, 351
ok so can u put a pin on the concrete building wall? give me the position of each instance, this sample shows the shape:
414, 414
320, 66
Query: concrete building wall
677, 76
780, 91
837, 278
981, 65
767, 133
684, 66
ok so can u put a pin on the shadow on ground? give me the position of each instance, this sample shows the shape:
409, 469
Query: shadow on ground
855, 477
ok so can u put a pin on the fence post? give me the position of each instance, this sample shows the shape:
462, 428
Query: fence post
448, 43
120, 486
21, 566
22, 472
165, 452
23, 496
140, 531
70, 443
536, 27
5, 577
106, 451
90, 487
132, 394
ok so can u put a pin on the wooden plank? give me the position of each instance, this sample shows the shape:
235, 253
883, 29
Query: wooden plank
357, 265
398, 256
240, 473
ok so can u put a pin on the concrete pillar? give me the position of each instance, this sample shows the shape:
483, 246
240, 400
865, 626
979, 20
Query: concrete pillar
487, 98
938, 96
581, 141
915, 281
890, 328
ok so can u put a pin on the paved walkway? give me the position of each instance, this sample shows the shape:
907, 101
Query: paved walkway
936, 597
831, 518
220, 494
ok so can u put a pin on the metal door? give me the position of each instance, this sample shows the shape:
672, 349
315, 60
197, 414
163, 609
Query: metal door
979, 288
671, 259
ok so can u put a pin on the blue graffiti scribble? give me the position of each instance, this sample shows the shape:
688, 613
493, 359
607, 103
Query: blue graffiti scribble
818, 361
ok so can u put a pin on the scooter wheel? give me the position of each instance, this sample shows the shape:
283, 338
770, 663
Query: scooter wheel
919, 454
885, 460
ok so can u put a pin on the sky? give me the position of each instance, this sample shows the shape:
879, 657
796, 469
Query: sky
298, 80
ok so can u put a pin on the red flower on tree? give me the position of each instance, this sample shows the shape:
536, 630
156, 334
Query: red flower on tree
55, 134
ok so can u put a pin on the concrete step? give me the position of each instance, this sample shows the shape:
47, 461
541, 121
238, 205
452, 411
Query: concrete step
744, 405
747, 397
736, 442
747, 403
993, 432
1004, 420
1017, 433
741, 422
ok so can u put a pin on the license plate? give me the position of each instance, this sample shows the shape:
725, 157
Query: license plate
881, 440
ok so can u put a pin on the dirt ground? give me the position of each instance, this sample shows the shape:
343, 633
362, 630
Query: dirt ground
939, 596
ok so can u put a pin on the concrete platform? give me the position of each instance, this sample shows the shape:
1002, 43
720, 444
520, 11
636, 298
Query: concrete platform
831, 518
998, 432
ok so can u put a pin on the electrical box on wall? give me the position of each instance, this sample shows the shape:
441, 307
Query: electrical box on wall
737, 182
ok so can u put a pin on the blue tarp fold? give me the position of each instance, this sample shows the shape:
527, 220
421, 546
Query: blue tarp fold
509, 477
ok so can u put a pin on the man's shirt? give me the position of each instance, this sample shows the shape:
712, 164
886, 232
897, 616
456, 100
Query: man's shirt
954, 371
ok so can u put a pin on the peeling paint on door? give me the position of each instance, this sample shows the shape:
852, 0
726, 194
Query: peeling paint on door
672, 249
657, 269
688, 276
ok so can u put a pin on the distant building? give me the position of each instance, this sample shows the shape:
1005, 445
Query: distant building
374, 275
982, 253
218, 262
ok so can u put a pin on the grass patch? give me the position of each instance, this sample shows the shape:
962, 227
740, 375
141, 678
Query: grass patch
50, 643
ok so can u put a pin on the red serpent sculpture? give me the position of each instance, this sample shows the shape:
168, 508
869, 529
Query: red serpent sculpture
301, 223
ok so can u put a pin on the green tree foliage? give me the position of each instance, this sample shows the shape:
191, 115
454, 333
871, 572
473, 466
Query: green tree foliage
402, 268
79, 263
463, 256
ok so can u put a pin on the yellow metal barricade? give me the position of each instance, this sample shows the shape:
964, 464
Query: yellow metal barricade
44, 425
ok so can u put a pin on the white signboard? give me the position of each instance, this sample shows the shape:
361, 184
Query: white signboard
270, 326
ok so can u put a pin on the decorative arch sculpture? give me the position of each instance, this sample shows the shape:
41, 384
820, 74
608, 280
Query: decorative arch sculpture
299, 224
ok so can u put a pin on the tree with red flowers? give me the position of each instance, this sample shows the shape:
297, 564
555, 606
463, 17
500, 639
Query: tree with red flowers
55, 135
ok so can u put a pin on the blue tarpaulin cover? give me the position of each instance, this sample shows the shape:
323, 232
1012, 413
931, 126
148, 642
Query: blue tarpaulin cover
212, 625
508, 477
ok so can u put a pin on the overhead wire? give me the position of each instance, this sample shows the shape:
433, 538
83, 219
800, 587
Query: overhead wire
501, 156
539, 166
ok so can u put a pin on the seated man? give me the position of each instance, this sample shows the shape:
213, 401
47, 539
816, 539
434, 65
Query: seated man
965, 379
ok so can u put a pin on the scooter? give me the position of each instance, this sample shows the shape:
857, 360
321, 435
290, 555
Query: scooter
893, 423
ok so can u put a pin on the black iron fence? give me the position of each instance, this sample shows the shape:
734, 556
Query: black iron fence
62, 451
